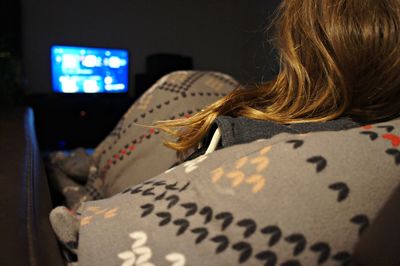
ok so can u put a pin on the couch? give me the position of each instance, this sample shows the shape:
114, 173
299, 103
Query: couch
26, 197
25, 203
25, 200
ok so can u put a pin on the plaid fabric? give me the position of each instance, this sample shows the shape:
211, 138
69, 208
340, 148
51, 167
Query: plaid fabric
132, 147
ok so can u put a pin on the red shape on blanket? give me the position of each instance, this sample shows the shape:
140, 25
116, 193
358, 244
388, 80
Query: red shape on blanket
393, 138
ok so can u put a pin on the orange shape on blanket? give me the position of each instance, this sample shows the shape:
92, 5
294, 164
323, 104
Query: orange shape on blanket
241, 162
367, 127
111, 213
93, 209
217, 174
86, 220
265, 150
261, 162
258, 182
237, 177
100, 211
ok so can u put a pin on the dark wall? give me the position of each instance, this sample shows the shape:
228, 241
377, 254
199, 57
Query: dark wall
10, 52
10, 21
223, 35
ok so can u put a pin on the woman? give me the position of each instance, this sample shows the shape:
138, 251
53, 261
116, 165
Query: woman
337, 58
339, 67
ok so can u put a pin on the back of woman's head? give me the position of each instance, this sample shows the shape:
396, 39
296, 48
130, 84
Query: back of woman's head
341, 55
337, 58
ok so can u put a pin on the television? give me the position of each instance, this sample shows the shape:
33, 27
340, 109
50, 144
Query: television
78, 69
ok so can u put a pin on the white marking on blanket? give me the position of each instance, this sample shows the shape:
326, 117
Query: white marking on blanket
177, 259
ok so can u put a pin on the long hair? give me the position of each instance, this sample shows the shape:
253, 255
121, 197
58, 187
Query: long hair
337, 57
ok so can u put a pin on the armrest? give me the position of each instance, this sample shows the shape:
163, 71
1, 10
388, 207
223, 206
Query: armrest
380, 244
24, 195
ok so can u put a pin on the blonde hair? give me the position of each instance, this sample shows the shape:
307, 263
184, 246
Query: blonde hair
337, 57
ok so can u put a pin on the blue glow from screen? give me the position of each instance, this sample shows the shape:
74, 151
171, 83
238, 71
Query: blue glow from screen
89, 70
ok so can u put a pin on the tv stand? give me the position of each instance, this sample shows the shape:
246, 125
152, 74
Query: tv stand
67, 121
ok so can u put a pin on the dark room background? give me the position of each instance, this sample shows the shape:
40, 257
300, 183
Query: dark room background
225, 35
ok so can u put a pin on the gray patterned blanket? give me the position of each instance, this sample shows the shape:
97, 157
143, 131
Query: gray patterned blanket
293, 199
301, 199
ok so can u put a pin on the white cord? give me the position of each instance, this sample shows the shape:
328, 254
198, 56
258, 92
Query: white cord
214, 141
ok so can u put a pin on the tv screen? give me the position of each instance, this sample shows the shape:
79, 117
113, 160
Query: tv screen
77, 69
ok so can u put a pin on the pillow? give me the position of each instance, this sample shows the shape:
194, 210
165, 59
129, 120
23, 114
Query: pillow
133, 152
289, 200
